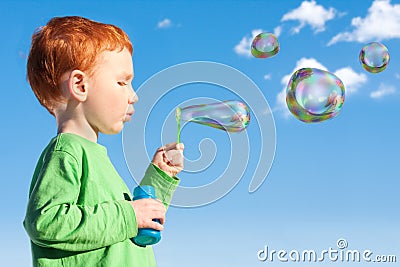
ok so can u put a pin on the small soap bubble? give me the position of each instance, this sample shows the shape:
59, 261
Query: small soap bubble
265, 45
314, 95
374, 57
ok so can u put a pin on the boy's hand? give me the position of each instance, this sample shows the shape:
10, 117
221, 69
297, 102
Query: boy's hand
169, 158
147, 209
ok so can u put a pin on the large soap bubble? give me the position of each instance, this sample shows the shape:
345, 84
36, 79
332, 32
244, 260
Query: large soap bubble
314, 95
230, 116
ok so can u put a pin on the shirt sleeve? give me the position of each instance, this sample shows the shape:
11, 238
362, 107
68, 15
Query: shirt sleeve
164, 184
55, 219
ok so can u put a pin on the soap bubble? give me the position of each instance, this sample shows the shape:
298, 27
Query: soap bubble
265, 45
374, 57
230, 116
314, 95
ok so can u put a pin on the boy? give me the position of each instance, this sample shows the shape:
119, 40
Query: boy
79, 211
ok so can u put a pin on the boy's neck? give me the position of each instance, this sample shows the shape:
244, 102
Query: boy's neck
76, 126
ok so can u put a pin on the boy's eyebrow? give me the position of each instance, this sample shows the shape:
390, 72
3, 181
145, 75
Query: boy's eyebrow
126, 75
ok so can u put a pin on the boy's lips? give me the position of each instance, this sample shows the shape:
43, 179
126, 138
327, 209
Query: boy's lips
129, 115
130, 110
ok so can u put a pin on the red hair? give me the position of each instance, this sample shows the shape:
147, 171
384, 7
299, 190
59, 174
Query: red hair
65, 44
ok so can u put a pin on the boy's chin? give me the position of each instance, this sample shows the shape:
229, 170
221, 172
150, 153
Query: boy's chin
128, 118
115, 130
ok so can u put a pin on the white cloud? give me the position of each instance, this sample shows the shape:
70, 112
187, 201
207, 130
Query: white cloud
281, 105
278, 31
382, 22
165, 23
312, 14
352, 80
244, 47
267, 76
383, 90
397, 76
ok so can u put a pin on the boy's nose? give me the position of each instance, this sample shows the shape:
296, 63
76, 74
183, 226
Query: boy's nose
133, 97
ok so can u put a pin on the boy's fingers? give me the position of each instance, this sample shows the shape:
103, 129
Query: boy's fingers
180, 146
153, 201
158, 206
174, 145
155, 225
174, 157
170, 146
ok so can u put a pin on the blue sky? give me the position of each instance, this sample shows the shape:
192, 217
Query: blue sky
330, 180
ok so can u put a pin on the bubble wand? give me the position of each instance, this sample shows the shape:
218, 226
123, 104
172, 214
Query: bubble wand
178, 122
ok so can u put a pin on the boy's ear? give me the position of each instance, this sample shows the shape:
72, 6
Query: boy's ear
77, 84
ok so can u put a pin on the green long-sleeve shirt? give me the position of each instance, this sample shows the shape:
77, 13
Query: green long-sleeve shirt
78, 213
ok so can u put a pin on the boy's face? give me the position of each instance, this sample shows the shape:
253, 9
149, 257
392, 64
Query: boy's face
110, 96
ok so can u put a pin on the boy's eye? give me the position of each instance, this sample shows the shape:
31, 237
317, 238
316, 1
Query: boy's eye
122, 83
